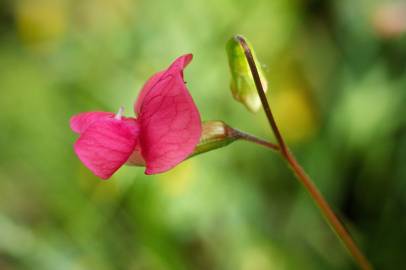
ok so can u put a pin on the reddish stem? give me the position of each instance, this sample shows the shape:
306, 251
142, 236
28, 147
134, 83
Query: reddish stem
301, 175
238, 134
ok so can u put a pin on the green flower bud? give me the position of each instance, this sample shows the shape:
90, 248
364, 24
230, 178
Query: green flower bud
242, 83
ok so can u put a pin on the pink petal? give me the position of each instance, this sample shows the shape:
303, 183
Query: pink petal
177, 66
147, 86
170, 125
80, 122
107, 144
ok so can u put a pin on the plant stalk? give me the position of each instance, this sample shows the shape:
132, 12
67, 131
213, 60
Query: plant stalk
301, 175
238, 134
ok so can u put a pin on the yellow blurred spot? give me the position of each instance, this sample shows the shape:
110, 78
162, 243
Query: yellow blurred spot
40, 21
104, 16
256, 258
179, 179
294, 114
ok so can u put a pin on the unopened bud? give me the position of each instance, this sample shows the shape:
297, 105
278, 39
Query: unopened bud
242, 83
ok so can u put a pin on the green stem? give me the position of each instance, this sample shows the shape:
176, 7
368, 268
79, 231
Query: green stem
301, 175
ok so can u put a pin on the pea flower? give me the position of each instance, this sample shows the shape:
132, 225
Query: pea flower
165, 132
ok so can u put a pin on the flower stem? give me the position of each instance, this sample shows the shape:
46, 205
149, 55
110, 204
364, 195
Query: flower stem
301, 175
238, 134
217, 134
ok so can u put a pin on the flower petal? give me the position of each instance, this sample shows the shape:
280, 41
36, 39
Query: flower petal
145, 89
176, 67
80, 122
170, 124
107, 144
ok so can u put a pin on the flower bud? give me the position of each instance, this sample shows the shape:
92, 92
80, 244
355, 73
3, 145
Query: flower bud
242, 83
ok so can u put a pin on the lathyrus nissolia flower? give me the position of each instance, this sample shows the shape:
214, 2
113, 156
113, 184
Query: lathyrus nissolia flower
165, 132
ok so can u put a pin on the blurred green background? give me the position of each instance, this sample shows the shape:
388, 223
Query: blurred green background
337, 74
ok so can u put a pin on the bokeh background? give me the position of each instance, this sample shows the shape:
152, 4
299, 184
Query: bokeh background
337, 73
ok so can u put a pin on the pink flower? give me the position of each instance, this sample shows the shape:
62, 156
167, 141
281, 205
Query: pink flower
164, 133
